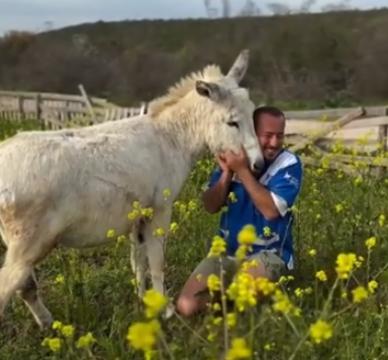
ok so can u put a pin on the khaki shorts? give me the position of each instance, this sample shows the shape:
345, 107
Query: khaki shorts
273, 264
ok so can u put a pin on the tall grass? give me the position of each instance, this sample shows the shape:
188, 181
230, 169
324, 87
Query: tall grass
93, 290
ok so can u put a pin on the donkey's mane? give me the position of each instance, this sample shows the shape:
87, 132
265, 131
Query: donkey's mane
183, 87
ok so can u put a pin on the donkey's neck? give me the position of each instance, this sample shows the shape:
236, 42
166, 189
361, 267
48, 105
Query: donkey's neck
184, 134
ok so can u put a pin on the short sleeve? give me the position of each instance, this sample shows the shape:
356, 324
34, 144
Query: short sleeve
215, 176
286, 183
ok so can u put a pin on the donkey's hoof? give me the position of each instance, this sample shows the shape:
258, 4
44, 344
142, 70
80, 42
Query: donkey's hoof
170, 311
46, 322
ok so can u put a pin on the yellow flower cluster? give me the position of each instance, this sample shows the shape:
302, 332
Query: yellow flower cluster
247, 235
265, 286
218, 247
166, 193
159, 232
345, 264
138, 211
85, 341
213, 283
283, 304
243, 291
370, 243
65, 330
372, 286
321, 275
359, 294
381, 220
321, 331
155, 302
143, 335
238, 350
232, 197
54, 344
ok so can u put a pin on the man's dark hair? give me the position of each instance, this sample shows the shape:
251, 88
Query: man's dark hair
271, 110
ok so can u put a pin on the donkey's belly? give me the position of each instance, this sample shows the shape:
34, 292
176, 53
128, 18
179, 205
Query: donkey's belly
93, 233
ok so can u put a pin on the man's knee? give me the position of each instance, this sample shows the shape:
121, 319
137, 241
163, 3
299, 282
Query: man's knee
186, 305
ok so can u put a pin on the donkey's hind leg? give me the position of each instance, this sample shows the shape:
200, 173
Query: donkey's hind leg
30, 295
13, 275
138, 257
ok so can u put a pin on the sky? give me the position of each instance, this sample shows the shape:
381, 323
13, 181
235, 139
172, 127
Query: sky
39, 15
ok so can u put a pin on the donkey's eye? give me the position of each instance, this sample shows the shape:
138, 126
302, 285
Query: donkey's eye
233, 124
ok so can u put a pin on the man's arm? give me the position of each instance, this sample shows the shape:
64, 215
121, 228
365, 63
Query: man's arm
214, 197
260, 196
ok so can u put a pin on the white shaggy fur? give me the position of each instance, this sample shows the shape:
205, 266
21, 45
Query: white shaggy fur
69, 187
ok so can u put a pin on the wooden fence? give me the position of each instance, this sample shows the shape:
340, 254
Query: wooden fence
363, 129
56, 111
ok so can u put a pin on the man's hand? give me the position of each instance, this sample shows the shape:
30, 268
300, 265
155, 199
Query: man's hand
235, 161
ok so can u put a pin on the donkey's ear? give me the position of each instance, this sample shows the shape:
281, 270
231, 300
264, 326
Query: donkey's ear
209, 90
240, 66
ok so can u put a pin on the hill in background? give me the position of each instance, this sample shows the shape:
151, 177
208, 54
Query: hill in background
327, 59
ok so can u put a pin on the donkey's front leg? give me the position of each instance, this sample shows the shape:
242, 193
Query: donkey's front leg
154, 240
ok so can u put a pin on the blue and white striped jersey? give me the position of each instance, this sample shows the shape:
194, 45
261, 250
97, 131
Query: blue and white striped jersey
282, 177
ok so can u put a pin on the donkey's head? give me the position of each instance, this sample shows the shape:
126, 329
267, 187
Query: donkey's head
229, 113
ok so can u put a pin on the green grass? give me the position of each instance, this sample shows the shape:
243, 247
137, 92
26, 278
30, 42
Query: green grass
97, 294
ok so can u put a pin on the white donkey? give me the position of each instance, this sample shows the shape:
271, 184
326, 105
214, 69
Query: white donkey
69, 187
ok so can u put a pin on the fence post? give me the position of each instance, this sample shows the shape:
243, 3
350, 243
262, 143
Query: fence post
21, 107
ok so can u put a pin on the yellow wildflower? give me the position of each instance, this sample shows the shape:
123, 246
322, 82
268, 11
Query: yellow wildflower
213, 283
345, 264
299, 292
283, 304
217, 321
241, 252
381, 220
339, 208
85, 341
248, 265
370, 243
134, 214
143, 335
218, 246
111, 233
59, 279
67, 331
321, 276
121, 239
247, 235
321, 331
243, 291
267, 231
312, 252
174, 227
192, 205
265, 286
372, 286
166, 193
155, 302
238, 350
231, 320
232, 197
146, 212
159, 232
54, 344
57, 325
359, 294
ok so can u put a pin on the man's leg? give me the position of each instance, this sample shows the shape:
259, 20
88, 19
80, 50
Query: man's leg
268, 265
194, 296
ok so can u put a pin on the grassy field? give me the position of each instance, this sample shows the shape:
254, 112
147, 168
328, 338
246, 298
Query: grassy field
93, 290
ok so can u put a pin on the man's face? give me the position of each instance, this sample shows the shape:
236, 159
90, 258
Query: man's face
270, 133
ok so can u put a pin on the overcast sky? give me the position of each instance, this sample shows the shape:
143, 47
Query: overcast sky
38, 15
